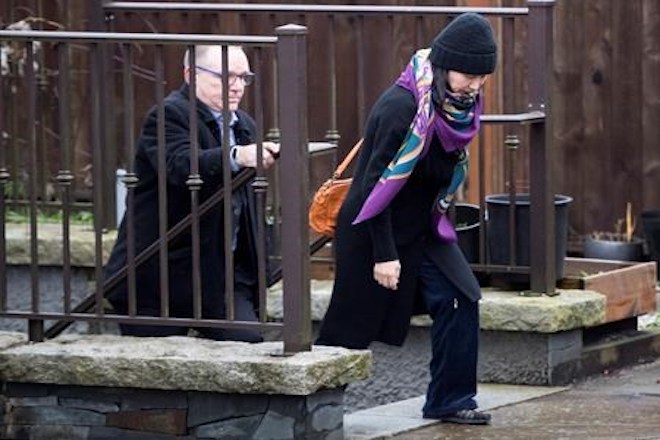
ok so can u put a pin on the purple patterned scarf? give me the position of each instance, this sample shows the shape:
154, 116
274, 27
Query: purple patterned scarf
455, 133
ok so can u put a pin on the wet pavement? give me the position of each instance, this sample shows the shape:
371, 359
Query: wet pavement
624, 404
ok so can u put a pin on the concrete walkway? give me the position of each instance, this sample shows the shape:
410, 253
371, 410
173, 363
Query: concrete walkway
395, 418
619, 405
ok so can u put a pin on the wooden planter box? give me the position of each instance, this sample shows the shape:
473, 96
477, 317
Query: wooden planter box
628, 286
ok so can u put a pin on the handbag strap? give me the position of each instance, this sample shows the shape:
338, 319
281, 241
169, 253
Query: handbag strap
347, 160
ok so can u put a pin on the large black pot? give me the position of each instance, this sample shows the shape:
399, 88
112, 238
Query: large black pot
467, 229
651, 228
498, 206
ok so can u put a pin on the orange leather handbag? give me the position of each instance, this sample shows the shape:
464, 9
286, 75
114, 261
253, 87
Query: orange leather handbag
330, 196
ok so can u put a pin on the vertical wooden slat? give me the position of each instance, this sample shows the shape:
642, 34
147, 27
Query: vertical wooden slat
360, 71
650, 90
627, 96
569, 118
596, 107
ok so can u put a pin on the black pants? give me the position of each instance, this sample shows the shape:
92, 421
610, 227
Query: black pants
243, 311
455, 341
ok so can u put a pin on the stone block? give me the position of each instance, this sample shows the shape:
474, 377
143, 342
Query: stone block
182, 363
105, 433
529, 358
151, 399
208, 407
100, 395
45, 415
15, 389
33, 401
50, 241
324, 397
275, 426
164, 421
570, 309
232, 429
9, 339
92, 405
48, 432
327, 418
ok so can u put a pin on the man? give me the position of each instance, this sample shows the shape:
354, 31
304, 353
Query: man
209, 91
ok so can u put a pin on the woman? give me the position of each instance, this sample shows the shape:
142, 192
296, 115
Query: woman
395, 248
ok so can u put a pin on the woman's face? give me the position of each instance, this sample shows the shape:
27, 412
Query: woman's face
465, 84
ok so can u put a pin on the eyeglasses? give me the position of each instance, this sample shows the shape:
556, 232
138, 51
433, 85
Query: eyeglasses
247, 78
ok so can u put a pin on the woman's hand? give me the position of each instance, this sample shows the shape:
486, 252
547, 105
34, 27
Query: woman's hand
387, 274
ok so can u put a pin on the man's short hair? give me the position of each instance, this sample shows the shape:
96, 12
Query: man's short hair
202, 51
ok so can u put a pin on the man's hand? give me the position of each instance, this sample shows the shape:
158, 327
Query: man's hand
387, 274
246, 155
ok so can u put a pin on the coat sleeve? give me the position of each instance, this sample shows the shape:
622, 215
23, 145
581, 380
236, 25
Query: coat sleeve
385, 131
177, 147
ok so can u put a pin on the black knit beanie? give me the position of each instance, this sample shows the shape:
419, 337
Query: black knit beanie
466, 45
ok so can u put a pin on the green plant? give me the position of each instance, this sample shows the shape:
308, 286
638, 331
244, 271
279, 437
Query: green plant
655, 323
22, 215
14, 190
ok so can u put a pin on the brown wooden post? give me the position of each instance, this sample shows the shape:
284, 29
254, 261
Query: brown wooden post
97, 22
294, 184
542, 210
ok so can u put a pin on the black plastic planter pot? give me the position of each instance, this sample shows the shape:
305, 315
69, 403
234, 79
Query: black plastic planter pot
614, 250
498, 206
467, 229
651, 227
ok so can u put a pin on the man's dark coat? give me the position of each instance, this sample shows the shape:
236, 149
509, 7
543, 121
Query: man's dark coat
178, 154
362, 311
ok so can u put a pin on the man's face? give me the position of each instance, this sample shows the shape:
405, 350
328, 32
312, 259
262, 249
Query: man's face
209, 80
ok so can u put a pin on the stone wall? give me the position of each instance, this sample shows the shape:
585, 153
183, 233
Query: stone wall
117, 387
81, 413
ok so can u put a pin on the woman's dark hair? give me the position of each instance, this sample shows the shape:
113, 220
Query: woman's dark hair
439, 85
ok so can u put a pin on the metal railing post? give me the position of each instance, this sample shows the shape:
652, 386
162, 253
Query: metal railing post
542, 210
294, 182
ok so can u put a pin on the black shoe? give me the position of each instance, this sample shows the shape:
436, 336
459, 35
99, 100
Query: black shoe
467, 417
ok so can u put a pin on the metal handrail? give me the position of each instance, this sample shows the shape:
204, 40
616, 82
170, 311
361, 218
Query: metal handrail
297, 8
132, 37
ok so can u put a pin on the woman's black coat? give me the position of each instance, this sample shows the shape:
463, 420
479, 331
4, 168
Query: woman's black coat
178, 154
362, 311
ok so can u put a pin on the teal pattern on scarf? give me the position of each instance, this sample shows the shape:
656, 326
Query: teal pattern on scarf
457, 125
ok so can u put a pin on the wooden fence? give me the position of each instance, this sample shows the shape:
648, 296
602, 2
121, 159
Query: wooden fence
606, 88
